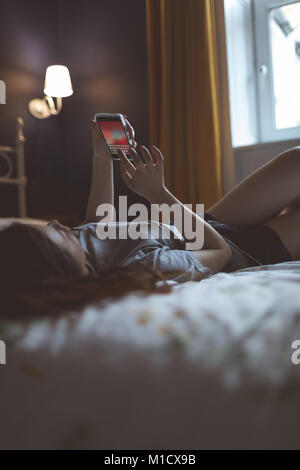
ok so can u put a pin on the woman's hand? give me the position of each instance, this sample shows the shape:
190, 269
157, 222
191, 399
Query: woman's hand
145, 176
131, 133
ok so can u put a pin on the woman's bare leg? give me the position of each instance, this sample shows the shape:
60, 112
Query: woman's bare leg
264, 194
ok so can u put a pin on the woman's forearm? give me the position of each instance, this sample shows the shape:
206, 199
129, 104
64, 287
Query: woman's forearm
215, 252
212, 239
102, 186
145, 176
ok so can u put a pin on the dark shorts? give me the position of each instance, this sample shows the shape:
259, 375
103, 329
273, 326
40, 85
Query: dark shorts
260, 242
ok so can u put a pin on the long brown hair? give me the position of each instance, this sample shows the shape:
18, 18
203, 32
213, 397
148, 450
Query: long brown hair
39, 278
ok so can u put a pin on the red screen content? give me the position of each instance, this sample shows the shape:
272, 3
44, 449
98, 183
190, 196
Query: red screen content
115, 136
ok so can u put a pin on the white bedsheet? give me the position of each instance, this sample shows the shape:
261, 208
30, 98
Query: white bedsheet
207, 366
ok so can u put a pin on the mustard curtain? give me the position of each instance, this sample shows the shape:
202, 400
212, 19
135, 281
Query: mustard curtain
184, 101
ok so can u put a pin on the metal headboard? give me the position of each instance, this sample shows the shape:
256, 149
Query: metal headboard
20, 180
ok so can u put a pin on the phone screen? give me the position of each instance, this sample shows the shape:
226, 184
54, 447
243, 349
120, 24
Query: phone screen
114, 135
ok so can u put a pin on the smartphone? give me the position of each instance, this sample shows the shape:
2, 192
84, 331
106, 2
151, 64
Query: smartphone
112, 128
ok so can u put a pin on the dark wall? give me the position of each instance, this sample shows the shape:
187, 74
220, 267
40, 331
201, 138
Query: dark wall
103, 42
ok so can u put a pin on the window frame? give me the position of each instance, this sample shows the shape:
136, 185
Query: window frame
267, 131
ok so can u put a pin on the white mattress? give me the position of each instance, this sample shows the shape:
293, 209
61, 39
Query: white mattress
207, 366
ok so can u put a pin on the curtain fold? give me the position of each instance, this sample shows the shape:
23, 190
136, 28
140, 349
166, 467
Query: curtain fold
183, 96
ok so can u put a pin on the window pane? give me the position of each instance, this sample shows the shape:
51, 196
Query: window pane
240, 58
285, 39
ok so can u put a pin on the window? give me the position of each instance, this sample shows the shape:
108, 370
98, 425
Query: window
263, 44
285, 49
241, 73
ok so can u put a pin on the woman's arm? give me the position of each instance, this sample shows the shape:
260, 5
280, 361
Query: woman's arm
102, 185
215, 252
147, 180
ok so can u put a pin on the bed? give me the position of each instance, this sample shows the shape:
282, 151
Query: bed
207, 366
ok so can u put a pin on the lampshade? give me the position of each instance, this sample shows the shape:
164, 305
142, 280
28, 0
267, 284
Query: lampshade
58, 82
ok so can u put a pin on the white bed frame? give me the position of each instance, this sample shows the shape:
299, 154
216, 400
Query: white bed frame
20, 181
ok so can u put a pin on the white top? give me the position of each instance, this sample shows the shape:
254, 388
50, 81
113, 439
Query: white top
164, 253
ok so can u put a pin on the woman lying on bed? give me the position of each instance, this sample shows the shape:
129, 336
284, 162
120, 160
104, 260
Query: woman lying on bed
50, 265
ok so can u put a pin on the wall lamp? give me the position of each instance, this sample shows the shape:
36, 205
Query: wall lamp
58, 85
